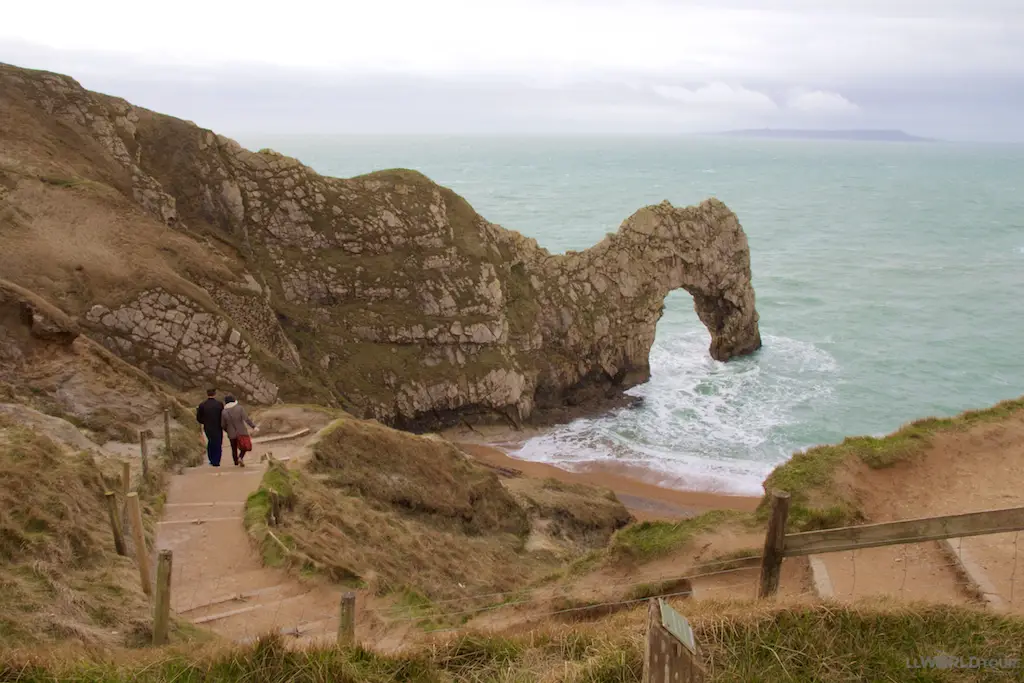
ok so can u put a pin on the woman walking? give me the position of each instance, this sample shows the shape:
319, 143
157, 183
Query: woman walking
234, 420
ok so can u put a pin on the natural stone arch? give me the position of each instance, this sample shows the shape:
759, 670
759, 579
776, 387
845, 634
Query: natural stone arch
385, 294
701, 249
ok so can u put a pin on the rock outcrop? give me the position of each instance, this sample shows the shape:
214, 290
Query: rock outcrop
386, 293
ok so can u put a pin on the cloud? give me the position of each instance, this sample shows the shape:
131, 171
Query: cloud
717, 95
944, 68
801, 41
821, 102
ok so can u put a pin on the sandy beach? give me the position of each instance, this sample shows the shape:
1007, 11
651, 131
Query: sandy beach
645, 500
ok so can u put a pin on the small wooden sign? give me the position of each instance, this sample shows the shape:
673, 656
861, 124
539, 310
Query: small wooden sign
677, 625
671, 653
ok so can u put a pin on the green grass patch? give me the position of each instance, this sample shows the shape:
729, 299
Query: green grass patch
649, 540
657, 589
585, 564
412, 605
257, 513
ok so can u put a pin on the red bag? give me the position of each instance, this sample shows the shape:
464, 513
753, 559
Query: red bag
244, 442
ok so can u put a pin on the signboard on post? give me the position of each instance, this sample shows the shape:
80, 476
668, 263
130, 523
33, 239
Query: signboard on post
671, 654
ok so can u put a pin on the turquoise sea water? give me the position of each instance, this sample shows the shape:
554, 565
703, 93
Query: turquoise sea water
889, 279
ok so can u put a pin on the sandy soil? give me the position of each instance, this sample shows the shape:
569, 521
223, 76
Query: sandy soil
977, 469
645, 501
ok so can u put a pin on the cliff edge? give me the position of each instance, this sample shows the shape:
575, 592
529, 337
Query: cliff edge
201, 262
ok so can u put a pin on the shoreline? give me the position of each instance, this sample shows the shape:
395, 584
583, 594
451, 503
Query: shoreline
646, 501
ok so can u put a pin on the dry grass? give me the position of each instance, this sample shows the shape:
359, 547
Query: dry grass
423, 478
577, 514
59, 576
787, 642
413, 515
359, 541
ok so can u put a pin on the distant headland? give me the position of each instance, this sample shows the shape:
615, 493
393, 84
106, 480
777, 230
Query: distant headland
800, 134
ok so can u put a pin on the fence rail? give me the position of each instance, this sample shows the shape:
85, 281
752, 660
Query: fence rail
904, 531
779, 545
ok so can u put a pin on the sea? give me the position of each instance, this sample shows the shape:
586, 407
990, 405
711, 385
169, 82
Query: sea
889, 279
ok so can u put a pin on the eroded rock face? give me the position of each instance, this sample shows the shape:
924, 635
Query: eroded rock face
160, 329
391, 292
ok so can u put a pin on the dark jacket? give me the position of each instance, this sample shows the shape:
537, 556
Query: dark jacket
234, 419
208, 415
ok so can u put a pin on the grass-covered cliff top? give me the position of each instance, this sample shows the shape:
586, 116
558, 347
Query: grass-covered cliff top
818, 502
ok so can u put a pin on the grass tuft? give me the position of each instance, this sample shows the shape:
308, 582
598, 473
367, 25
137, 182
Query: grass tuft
649, 540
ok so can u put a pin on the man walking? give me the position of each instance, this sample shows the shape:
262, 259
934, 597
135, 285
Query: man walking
208, 414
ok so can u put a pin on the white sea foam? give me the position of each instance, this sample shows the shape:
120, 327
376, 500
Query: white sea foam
704, 425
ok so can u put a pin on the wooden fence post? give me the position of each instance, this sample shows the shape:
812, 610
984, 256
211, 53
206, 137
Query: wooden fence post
144, 446
653, 621
115, 524
126, 477
141, 554
167, 432
347, 619
774, 545
275, 508
162, 604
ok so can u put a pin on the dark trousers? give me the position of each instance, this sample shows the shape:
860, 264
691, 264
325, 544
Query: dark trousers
214, 447
236, 454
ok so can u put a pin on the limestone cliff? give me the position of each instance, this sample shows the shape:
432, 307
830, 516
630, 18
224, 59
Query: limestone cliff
202, 262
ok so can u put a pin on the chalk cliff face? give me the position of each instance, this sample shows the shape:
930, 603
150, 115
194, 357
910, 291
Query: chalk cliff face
202, 262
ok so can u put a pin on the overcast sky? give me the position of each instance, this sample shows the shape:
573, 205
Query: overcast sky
946, 68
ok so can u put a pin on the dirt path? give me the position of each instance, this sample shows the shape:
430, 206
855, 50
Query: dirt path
980, 468
218, 580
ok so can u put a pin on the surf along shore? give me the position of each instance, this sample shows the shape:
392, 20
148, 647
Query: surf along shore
490, 446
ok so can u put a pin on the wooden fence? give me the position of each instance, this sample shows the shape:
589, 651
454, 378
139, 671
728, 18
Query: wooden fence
779, 545
159, 591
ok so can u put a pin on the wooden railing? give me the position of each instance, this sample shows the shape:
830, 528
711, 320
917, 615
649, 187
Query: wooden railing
779, 545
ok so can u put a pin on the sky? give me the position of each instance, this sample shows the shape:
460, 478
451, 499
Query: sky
952, 69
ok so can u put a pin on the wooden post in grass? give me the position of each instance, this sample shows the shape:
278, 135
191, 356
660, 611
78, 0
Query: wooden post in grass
141, 554
115, 524
126, 478
167, 433
774, 545
162, 604
347, 619
144, 446
275, 508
